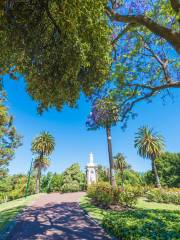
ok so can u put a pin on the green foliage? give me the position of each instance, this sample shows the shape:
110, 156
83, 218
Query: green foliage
9, 139
102, 194
164, 195
13, 187
52, 182
168, 166
143, 224
62, 48
148, 143
102, 173
74, 179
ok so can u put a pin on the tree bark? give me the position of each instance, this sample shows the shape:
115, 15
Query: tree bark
38, 180
154, 170
111, 165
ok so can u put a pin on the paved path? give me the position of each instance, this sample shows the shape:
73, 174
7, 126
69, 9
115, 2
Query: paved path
56, 216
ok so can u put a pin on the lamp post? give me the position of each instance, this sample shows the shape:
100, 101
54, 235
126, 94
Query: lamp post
29, 176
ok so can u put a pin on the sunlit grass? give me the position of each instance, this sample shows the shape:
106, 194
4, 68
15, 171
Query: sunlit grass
9, 210
99, 214
143, 204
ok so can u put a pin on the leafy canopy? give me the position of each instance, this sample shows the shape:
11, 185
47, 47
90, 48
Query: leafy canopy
61, 47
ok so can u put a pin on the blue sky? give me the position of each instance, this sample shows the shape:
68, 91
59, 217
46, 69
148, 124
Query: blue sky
74, 142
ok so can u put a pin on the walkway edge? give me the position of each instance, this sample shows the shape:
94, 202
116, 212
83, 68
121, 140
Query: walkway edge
96, 222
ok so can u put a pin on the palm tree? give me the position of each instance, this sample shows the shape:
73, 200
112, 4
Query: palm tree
43, 146
150, 145
120, 164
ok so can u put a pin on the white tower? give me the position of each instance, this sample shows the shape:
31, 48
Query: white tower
91, 170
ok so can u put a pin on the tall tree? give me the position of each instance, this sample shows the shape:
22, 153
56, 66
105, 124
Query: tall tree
105, 114
42, 146
9, 139
150, 145
61, 48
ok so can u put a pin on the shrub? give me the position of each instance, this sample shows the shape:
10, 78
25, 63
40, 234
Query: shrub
102, 194
164, 195
143, 224
129, 196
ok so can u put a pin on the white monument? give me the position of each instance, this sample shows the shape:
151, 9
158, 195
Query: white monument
91, 171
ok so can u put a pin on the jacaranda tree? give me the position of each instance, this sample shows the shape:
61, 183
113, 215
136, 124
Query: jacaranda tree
105, 114
42, 146
146, 47
9, 139
150, 145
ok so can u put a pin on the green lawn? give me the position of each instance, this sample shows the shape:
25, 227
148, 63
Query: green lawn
142, 203
9, 210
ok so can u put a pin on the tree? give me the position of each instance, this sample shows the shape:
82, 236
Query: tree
73, 179
146, 47
134, 14
105, 114
9, 139
61, 48
168, 168
120, 164
43, 145
150, 145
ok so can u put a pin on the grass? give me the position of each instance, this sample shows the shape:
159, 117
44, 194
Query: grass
95, 212
9, 210
98, 214
143, 204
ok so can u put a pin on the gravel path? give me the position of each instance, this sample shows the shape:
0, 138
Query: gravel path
56, 216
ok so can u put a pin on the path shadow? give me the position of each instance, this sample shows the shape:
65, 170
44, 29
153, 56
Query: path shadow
56, 221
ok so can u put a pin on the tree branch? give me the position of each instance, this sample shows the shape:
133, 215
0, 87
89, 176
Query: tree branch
175, 5
156, 88
171, 36
126, 29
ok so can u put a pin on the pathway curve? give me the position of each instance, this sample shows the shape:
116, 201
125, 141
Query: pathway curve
56, 216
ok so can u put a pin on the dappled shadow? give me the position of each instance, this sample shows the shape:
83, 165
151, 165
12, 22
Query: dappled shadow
56, 221
7, 215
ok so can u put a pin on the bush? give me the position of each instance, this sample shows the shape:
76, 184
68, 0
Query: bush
164, 195
143, 224
73, 180
102, 194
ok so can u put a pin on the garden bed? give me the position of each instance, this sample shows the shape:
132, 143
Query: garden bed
147, 220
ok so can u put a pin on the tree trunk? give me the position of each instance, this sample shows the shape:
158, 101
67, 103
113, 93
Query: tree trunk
38, 180
154, 170
111, 165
